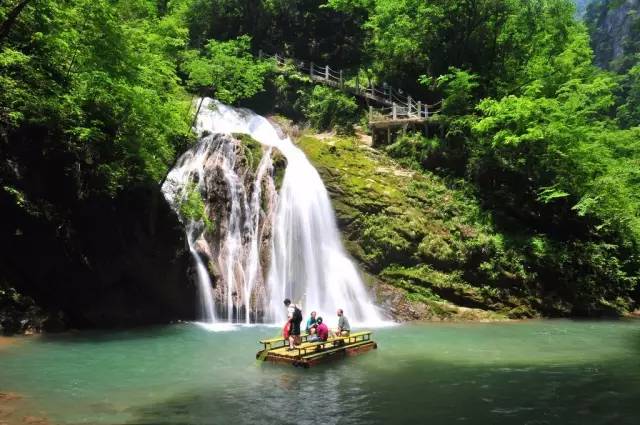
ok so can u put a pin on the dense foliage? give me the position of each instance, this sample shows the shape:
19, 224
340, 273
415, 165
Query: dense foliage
549, 140
94, 108
226, 67
328, 108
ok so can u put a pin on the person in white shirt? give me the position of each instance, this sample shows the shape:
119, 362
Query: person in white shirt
294, 316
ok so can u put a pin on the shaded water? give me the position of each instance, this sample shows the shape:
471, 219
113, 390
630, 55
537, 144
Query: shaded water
539, 372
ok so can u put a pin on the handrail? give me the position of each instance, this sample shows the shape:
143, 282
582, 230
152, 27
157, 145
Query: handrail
398, 104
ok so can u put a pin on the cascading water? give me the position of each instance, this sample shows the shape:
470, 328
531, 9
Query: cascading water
207, 310
292, 234
190, 168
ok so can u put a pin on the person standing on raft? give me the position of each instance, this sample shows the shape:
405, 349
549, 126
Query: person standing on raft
294, 316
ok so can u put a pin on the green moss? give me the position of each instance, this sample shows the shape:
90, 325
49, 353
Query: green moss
436, 249
253, 150
279, 167
193, 208
447, 285
417, 231
381, 240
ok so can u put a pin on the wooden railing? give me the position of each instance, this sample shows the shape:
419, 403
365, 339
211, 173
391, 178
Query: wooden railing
394, 103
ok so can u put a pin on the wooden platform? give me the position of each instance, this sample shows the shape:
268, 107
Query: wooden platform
312, 353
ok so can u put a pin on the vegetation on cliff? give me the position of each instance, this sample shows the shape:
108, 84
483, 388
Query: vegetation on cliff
430, 236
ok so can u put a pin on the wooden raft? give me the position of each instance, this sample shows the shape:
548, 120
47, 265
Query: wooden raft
310, 354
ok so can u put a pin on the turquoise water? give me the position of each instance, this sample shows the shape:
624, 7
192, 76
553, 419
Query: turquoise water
538, 372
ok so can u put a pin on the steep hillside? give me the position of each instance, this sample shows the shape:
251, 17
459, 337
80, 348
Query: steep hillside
415, 232
429, 237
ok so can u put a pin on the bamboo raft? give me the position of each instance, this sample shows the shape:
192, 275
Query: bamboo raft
310, 354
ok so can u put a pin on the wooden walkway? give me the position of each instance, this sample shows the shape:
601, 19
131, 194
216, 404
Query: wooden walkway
393, 106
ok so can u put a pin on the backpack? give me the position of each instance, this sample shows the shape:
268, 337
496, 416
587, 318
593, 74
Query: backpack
297, 315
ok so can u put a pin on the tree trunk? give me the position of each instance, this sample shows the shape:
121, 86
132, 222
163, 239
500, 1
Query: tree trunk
12, 17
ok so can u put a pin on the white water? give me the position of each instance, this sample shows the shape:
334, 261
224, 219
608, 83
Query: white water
190, 168
207, 310
308, 263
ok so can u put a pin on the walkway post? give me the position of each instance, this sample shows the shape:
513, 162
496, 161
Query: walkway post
326, 72
395, 114
419, 109
357, 84
370, 113
260, 54
408, 106
311, 69
341, 83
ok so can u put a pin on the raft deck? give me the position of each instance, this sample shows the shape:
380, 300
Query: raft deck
309, 354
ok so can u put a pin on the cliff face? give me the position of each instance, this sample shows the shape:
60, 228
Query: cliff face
581, 7
614, 26
429, 248
111, 262
421, 242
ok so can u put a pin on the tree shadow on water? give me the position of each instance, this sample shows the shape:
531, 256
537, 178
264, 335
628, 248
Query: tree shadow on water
108, 335
417, 391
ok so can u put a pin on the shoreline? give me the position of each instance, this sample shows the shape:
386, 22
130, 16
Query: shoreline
15, 410
6, 341
16, 339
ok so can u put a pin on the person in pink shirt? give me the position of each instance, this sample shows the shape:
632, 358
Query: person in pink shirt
322, 330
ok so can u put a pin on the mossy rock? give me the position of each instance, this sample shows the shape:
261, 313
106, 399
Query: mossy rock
436, 250
521, 312
417, 231
254, 150
279, 166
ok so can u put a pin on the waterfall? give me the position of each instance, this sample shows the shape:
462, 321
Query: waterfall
207, 311
271, 245
190, 168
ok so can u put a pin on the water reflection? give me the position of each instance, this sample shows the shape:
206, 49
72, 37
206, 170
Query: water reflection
419, 392
529, 373
288, 397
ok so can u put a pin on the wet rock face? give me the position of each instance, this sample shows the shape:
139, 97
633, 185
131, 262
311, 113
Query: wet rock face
612, 26
112, 263
230, 169
19, 314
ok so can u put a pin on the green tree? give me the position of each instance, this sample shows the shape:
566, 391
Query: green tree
628, 113
327, 108
228, 68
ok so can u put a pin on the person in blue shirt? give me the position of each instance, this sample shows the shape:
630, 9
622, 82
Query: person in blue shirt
311, 323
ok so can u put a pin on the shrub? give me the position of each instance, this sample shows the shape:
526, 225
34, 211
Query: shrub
412, 149
192, 207
326, 108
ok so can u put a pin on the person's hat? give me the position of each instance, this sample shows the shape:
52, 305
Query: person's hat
319, 320
287, 301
